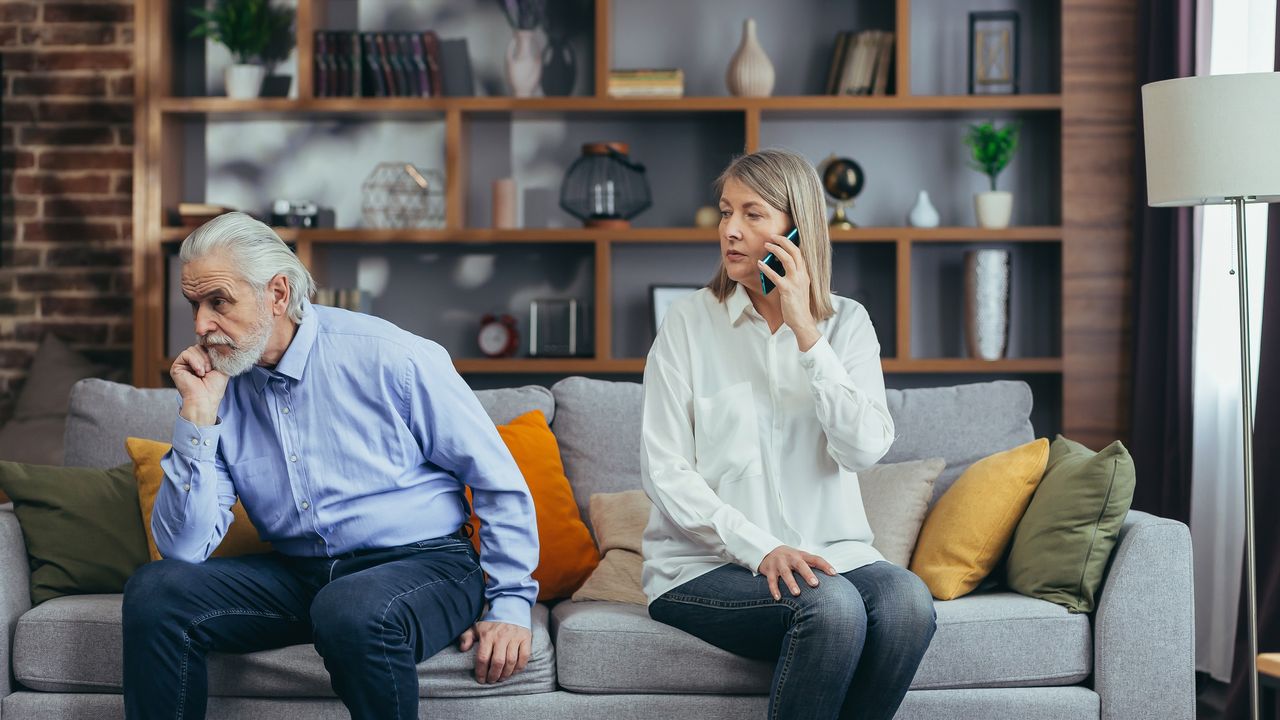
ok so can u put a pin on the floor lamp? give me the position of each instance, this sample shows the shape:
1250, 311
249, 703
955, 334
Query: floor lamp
1215, 140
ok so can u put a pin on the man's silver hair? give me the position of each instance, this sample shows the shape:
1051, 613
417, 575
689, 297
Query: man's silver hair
257, 253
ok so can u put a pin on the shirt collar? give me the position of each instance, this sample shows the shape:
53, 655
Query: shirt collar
294, 362
738, 303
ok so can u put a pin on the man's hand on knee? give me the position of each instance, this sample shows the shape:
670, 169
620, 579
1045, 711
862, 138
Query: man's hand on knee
502, 649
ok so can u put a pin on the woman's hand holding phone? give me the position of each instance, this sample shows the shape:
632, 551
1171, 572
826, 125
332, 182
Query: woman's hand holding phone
793, 288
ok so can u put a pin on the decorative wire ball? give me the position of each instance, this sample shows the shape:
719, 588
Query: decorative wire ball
400, 195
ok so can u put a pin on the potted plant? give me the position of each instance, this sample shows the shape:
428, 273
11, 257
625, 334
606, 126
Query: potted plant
992, 150
256, 33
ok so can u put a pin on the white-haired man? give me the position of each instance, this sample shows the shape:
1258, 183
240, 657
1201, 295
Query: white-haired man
349, 442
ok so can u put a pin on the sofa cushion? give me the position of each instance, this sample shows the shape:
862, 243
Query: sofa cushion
960, 424
984, 640
598, 425
102, 414
73, 644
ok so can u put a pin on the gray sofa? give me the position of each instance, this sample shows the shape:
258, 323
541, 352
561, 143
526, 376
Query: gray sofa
995, 654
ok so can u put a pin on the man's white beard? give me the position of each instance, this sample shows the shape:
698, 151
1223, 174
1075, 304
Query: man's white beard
244, 354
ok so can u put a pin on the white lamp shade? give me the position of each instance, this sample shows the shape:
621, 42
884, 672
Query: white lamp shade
1211, 138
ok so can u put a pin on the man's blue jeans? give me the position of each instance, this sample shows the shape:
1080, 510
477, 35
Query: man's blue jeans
848, 648
373, 615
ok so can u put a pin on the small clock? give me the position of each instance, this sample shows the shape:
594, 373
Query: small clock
498, 337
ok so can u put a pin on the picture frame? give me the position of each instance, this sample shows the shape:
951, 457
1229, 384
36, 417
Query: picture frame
661, 297
994, 51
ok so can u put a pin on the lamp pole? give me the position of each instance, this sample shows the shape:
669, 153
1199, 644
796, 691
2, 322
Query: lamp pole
1246, 405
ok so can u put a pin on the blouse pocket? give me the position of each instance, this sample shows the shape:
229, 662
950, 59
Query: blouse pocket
726, 437
263, 488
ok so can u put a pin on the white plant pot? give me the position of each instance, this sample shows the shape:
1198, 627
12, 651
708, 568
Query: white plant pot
244, 82
993, 208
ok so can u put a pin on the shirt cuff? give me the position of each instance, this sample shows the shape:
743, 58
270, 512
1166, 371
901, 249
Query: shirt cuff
510, 609
821, 361
753, 544
197, 443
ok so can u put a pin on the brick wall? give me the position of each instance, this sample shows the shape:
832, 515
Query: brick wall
65, 180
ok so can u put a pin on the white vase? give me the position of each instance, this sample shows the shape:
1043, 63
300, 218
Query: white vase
750, 72
923, 214
524, 63
244, 82
993, 208
986, 303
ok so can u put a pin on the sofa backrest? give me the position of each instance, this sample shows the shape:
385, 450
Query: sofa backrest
598, 428
102, 414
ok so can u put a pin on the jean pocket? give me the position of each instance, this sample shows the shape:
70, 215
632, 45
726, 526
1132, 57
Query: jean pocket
448, 543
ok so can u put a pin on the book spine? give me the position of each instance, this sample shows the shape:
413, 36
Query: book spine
431, 42
376, 82
321, 76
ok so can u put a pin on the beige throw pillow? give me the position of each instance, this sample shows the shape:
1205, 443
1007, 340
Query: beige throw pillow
896, 498
619, 520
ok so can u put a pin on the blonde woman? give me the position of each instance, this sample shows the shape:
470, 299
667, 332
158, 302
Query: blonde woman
759, 411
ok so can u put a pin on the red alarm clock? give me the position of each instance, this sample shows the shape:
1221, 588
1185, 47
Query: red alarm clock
498, 336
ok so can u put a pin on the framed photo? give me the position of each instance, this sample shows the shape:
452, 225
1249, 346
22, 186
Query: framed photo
993, 52
661, 297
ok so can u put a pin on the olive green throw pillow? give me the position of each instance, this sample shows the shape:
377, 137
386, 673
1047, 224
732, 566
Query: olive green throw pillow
81, 525
1061, 547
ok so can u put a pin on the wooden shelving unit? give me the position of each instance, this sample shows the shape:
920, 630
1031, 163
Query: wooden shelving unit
160, 119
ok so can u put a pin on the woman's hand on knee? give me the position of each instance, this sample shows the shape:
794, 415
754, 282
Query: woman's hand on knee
784, 562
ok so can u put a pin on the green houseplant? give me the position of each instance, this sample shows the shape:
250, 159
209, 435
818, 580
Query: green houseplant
257, 35
991, 150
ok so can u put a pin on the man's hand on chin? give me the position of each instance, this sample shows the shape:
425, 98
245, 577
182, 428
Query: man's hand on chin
502, 649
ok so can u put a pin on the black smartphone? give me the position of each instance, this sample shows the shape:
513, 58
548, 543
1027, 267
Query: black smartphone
772, 262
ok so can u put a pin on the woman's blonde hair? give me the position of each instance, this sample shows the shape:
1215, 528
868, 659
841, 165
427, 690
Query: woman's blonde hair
789, 184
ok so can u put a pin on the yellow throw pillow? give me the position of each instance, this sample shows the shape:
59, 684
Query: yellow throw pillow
567, 554
242, 536
966, 532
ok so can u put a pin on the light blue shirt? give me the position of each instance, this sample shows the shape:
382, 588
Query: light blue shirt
363, 436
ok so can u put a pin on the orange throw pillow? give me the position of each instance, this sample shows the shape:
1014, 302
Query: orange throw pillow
242, 536
567, 554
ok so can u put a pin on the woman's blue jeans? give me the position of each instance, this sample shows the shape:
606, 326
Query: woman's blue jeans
848, 648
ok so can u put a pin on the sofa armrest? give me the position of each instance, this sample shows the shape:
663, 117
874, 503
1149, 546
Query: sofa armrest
15, 590
1144, 629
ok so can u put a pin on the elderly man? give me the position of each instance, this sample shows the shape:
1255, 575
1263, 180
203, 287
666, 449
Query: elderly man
349, 442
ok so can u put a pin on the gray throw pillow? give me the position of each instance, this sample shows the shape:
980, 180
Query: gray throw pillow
34, 434
896, 498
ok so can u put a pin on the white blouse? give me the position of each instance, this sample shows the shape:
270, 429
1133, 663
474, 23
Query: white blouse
748, 444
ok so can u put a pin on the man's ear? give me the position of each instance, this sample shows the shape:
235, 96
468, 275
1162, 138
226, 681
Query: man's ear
279, 292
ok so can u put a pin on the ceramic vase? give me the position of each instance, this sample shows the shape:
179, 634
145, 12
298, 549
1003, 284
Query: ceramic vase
524, 63
750, 72
559, 68
993, 208
244, 82
923, 214
986, 303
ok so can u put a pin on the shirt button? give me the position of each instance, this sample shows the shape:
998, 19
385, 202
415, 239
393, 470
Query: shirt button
305, 504
195, 441
293, 458
186, 487
285, 411
207, 443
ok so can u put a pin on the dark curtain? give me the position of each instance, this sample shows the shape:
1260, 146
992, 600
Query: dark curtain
1266, 477
1162, 311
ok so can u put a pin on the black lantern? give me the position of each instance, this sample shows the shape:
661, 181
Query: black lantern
604, 187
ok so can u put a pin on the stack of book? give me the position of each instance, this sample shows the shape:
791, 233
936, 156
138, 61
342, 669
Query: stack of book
861, 63
351, 299
387, 64
648, 83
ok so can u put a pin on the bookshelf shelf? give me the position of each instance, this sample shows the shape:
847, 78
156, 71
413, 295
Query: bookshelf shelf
943, 104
